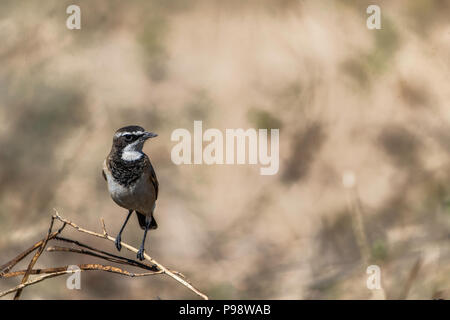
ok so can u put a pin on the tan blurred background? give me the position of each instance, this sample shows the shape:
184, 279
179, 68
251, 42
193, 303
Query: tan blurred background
349, 101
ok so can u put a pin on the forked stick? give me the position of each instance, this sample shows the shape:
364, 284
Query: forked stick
154, 268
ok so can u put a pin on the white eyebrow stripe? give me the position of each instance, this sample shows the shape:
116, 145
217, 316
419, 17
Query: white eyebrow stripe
135, 133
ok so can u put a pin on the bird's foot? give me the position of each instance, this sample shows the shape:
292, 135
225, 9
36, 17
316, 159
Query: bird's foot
140, 254
117, 242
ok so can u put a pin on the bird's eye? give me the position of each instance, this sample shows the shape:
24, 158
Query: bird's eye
128, 137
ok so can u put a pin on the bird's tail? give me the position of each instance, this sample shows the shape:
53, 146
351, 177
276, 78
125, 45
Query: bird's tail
141, 219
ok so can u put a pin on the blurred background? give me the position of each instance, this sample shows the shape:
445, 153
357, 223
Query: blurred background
364, 126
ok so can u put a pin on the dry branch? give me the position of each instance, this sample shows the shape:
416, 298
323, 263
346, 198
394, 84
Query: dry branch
36, 256
36, 280
154, 267
83, 267
99, 253
10, 264
173, 275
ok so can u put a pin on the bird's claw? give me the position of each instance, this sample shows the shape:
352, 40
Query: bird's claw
117, 242
140, 254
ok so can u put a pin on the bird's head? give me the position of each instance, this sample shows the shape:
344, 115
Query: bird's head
130, 140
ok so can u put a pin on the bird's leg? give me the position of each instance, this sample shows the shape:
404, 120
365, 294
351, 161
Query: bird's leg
148, 222
119, 236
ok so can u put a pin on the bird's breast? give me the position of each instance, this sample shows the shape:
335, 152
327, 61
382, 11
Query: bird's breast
139, 196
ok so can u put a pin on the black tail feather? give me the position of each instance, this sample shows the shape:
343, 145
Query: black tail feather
141, 219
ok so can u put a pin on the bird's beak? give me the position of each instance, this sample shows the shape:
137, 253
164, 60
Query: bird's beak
148, 135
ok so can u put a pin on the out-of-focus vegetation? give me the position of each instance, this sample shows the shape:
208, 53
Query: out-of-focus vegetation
346, 99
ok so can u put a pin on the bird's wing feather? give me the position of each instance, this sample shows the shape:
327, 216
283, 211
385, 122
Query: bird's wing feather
103, 170
154, 180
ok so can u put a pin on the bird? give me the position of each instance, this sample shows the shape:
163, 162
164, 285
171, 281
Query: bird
131, 179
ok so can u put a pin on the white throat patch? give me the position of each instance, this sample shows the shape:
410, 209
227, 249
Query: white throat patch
131, 155
132, 152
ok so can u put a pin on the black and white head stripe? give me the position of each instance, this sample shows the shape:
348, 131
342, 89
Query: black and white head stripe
130, 130
133, 133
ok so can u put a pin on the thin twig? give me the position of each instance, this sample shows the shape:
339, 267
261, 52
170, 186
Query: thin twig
410, 280
103, 227
10, 264
36, 257
59, 271
36, 280
137, 263
83, 267
115, 259
55, 272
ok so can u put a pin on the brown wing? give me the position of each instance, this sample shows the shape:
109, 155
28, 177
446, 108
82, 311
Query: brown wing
105, 166
154, 180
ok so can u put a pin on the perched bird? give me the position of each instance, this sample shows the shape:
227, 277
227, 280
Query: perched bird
131, 179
